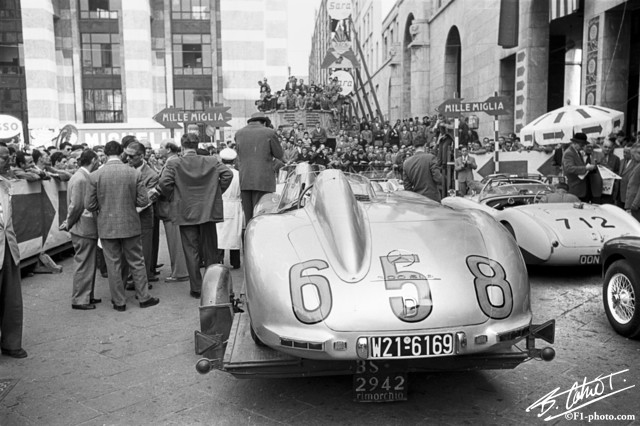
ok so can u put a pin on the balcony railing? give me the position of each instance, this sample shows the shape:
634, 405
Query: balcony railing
98, 14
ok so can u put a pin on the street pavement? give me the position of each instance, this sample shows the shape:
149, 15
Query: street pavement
104, 367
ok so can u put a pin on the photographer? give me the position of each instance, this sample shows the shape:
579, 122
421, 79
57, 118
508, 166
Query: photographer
464, 166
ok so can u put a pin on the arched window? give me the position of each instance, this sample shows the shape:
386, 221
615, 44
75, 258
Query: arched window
452, 64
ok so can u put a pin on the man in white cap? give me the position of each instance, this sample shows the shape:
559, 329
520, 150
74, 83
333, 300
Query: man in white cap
230, 231
257, 145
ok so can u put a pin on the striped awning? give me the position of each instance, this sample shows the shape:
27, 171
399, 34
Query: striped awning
560, 8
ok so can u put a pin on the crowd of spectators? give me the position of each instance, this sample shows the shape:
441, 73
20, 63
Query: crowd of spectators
297, 95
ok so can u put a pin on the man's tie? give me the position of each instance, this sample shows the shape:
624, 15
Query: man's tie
588, 159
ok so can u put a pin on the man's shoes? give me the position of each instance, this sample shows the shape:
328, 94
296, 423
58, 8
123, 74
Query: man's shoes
84, 307
120, 308
176, 279
130, 287
94, 301
153, 279
150, 286
104, 275
153, 301
160, 265
195, 294
15, 353
156, 272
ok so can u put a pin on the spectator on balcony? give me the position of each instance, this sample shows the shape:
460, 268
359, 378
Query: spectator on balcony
318, 136
406, 138
366, 134
290, 100
282, 99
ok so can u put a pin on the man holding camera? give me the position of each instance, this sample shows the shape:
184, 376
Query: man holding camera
464, 166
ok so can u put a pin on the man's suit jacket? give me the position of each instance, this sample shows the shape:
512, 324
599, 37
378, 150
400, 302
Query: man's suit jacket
149, 180
80, 221
465, 173
166, 209
257, 146
195, 183
625, 171
7, 234
573, 165
115, 191
632, 202
423, 175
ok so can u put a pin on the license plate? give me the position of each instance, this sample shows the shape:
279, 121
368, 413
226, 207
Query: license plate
374, 382
421, 346
589, 259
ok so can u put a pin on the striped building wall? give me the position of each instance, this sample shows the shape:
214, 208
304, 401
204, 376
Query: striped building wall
254, 46
40, 63
64, 53
137, 87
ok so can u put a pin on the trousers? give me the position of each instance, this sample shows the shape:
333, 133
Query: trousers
193, 237
84, 279
129, 249
10, 303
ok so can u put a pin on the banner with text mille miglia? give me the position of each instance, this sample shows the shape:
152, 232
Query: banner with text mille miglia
340, 53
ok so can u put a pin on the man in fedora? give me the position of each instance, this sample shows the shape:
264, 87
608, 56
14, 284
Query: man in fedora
257, 147
576, 167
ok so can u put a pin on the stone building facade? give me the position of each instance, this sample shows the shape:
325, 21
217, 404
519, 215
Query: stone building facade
434, 50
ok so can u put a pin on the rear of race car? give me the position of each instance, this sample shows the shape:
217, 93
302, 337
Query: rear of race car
388, 278
567, 233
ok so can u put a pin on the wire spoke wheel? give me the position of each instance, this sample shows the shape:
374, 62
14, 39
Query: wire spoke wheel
621, 298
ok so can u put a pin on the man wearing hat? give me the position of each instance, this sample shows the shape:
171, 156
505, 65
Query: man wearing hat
421, 172
230, 231
257, 147
576, 168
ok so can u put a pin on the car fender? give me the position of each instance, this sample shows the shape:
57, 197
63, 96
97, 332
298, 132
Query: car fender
534, 239
462, 203
631, 224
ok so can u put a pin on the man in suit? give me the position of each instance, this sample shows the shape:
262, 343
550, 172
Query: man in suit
627, 165
115, 191
611, 162
10, 286
195, 183
465, 165
421, 172
257, 147
575, 168
81, 224
135, 152
166, 212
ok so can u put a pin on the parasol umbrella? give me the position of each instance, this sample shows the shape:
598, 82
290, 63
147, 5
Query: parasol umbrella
559, 126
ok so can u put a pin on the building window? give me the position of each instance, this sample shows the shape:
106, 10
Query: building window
9, 9
11, 53
190, 9
102, 106
13, 101
99, 9
193, 99
192, 54
100, 53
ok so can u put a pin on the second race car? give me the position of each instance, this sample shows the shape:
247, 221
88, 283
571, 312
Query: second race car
548, 233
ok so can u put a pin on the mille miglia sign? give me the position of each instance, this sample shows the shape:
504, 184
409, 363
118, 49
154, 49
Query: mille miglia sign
495, 105
216, 116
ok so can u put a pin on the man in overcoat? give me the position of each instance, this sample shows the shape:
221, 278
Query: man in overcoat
257, 147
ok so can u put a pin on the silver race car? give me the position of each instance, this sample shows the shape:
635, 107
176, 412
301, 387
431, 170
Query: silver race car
341, 279
547, 233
